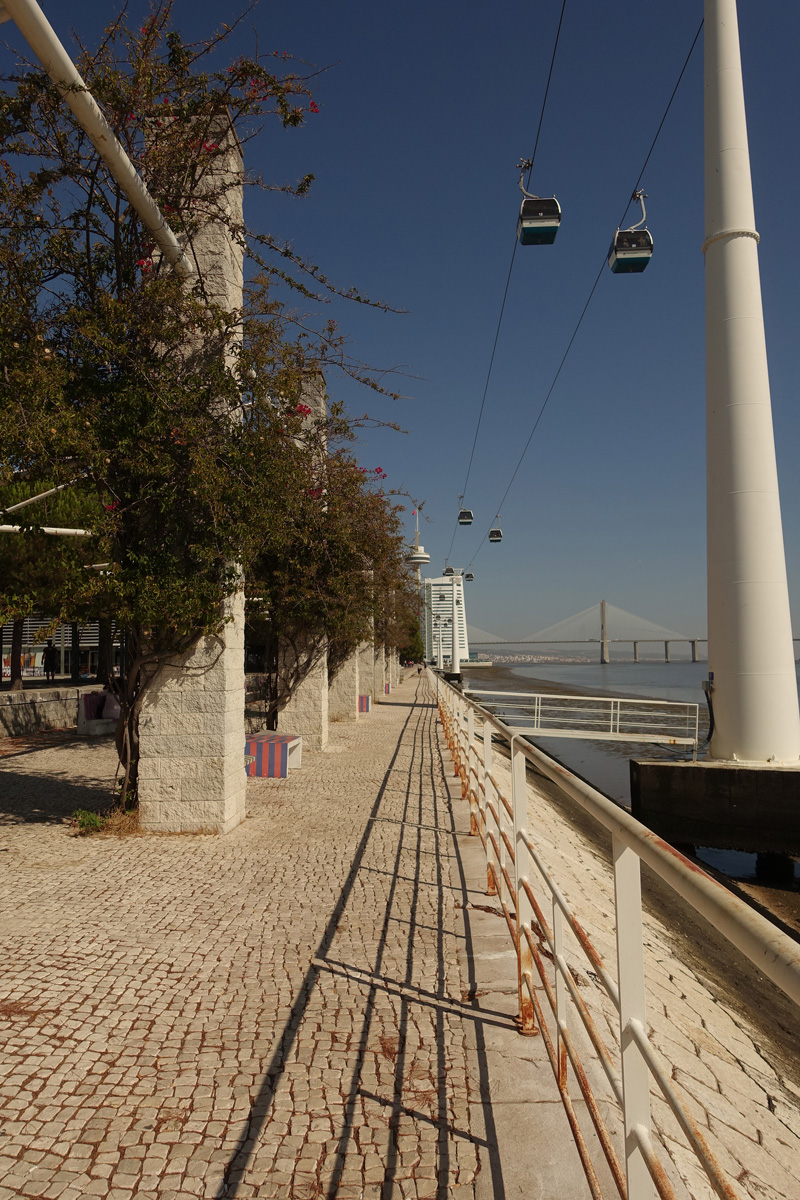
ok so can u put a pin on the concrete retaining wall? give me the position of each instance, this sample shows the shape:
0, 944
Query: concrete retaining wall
29, 711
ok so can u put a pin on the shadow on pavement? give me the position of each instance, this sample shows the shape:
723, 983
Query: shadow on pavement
47, 799
420, 783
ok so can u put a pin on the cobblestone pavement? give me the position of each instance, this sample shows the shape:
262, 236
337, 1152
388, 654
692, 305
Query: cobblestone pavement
275, 1013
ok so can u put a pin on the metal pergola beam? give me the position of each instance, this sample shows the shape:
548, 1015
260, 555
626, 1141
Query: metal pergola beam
45, 44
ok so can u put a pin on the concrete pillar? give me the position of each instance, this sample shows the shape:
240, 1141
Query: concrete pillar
366, 670
666, 651
191, 728
191, 773
343, 691
635, 651
380, 671
695, 657
307, 711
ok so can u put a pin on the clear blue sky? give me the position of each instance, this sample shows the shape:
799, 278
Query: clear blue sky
425, 110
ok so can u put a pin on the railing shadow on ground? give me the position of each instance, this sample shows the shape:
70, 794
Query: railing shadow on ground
377, 980
491, 1142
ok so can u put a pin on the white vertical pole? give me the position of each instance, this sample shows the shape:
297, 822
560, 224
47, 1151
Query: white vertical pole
749, 628
561, 992
473, 792
455, 658
630, 974
491, 887
519, 801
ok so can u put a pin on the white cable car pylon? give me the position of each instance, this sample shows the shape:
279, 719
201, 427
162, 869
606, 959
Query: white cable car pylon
539, 216
631, 249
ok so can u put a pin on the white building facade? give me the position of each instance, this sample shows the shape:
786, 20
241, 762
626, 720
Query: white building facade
439, 617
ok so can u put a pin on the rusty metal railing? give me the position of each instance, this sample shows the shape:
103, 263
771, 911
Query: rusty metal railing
512, 857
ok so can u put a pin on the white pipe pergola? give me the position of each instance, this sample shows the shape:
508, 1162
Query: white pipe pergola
44, 42
51, 529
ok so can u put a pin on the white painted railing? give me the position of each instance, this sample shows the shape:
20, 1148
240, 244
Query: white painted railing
512, 858
594, 718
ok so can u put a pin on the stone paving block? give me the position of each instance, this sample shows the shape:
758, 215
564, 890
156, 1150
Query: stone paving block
320, 996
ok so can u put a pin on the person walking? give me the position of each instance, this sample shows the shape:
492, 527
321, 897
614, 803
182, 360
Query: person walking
49, 659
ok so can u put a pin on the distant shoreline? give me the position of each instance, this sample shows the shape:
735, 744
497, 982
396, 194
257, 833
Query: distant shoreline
506, 676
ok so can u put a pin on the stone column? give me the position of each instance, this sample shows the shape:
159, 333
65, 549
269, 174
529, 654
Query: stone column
191, 771
343, 691
307, 711
380, 672
366, 670
191, 766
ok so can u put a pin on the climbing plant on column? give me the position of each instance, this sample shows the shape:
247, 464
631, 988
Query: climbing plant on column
179, 417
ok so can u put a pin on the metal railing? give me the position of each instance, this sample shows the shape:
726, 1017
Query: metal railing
594, 718
512, 857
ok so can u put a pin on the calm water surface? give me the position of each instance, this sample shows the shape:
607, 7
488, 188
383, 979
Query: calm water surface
606, 765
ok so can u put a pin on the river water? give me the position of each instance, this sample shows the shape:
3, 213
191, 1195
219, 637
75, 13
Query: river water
606, 765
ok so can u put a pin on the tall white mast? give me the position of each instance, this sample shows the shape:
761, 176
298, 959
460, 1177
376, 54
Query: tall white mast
750, 649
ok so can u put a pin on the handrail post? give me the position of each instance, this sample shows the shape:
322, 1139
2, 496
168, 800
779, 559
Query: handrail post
524, 908
491, 864
561, 992
457, 734
472, 793
630, 974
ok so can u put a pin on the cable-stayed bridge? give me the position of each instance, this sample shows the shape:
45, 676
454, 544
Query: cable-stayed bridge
601, 623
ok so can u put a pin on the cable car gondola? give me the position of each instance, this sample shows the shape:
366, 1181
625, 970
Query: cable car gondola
469, 577
539, 216
632, 249
496, 534
448, 571
465, 516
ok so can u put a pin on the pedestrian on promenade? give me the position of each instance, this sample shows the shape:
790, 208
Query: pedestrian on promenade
49, 659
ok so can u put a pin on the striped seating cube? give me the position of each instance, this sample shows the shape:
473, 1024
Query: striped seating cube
364, 703
267, 754
93, 705
387, 687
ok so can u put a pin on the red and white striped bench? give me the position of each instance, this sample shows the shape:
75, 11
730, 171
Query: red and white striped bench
270, 755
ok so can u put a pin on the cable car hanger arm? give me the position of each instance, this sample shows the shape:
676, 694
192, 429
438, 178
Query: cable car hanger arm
641, 196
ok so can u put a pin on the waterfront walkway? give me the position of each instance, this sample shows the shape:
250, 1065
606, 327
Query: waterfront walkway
289, 1011
322, 1003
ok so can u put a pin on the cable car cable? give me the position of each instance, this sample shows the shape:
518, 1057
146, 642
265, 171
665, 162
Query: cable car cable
508, 277
593, 290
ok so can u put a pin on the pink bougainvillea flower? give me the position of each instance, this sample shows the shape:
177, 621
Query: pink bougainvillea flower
304, 410
313, 107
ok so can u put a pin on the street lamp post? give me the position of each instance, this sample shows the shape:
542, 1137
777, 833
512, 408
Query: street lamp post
750, 649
